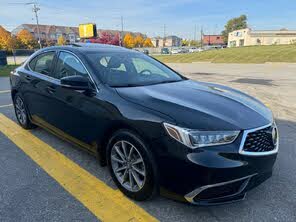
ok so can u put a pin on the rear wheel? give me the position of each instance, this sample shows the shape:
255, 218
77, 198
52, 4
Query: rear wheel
132, 166
21, 113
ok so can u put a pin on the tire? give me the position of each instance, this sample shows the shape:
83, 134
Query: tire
21, 112
137, 166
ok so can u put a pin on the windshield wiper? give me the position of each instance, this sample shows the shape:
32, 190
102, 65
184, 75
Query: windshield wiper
169, 81
127, 85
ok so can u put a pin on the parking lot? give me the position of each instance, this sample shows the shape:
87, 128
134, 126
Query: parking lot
36, 185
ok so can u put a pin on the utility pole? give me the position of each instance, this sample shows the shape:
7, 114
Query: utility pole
164, 35
35, 10
195, 33
121, 33
201, 37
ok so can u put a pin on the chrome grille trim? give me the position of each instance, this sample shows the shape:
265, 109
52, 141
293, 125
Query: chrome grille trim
249, 153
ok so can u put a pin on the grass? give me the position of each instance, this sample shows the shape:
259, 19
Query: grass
250, 54
5, 70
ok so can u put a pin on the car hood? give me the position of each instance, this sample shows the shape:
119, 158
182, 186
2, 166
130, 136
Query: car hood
199, 105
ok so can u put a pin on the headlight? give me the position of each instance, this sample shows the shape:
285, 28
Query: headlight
196, 138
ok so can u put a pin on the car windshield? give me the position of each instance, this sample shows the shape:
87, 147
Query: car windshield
125, 69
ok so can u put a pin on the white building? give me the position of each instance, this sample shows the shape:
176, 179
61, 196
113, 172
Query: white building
248, 37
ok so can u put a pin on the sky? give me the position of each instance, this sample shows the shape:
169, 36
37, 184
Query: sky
180, 17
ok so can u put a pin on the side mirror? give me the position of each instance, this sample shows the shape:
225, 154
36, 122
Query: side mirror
76, 83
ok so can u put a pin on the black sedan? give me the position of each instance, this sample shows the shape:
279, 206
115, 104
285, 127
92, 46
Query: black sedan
156, 130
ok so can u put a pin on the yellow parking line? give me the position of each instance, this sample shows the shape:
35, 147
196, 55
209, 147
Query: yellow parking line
8, 105
104, 202
5, 91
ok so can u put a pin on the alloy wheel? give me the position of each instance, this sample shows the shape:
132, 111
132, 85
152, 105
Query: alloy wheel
20, 110
128, 166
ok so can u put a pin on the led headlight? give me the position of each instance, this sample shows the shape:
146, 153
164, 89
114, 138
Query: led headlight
197, 138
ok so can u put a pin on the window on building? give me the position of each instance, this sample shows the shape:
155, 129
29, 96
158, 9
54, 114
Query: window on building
258, 41
232, 43
241, 42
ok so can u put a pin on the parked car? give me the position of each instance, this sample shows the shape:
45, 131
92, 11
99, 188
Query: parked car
199, 142
165, 51
184, 50
176, 51
146, 51
195, 49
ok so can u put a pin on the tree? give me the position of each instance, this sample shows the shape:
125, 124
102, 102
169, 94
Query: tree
7, 42
185, 42
148, 43
115, 40
26, 39
128, 41
234, 24
194, 43
105, 38
139, 41
61, 40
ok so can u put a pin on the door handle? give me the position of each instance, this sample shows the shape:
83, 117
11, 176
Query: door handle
27, 77
50, 89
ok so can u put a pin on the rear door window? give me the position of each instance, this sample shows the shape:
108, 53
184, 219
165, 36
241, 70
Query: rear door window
43, 63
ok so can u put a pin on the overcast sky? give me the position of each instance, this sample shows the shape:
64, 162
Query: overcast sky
149, 16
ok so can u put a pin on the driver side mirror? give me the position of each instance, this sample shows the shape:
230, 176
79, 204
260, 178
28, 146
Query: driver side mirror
76, 83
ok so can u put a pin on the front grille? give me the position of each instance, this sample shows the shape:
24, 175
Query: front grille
259, 141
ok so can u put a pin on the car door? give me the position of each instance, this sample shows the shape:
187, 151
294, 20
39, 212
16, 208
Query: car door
73, 114
37, 79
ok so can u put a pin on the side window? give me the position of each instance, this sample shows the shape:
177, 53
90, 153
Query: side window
43, 63
69, 65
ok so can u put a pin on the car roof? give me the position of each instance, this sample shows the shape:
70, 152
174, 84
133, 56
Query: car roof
89, 47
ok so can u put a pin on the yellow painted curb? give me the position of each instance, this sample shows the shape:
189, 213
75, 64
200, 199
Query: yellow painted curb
104, 202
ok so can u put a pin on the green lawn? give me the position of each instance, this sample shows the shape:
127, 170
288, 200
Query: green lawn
251, 54
5, 70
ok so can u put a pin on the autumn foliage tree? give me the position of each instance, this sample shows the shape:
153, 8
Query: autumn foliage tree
148, 43
26, 39
128, 41
139, 41
7, 42
234, 24
115, 40
61, 40
106, 38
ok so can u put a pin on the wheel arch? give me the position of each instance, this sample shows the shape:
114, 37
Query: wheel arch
109, 132
13, 93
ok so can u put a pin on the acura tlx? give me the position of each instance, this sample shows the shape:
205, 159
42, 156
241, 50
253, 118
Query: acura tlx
156, 130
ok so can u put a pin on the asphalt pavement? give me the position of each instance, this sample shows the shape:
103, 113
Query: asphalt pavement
28, 192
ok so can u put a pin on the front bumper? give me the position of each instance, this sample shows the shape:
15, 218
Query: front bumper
210, 175
225, 192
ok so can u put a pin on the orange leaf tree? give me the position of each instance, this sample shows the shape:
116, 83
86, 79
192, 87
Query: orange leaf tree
7, 42
26, 39
129, 41
139, 41
148, 43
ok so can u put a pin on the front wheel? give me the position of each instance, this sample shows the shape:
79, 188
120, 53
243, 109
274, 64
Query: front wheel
132, 166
